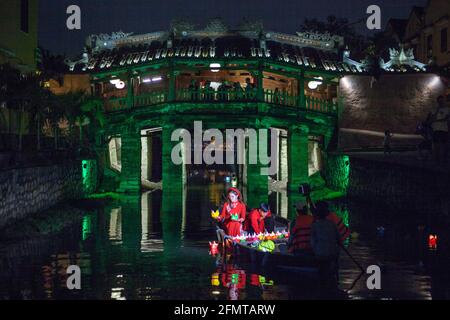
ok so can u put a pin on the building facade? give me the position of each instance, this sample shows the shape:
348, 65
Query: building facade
19, 33
427, 33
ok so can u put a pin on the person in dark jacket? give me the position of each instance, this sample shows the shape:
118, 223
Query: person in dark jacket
325, 242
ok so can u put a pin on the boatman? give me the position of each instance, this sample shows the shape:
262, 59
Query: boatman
344, 231
300, 235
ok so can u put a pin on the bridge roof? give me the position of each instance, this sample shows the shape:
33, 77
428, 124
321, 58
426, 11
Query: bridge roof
308, 50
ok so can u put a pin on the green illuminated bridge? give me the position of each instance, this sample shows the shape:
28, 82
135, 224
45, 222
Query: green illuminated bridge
248, 78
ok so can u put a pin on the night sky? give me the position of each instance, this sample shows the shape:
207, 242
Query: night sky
139, 16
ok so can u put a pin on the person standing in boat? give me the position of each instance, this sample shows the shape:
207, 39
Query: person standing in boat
344, 231
233, 213
325, 242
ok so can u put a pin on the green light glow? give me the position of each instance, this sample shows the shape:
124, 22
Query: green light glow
89, 176
87, 227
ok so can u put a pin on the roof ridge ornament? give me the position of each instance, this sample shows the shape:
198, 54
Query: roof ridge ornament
316, 35
401, 58
216, 25
105, 41
346, 59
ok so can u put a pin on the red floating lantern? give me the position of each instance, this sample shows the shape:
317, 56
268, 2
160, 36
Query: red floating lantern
213, 248
432, 241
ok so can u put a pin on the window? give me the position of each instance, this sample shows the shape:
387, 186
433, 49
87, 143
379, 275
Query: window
444, 44
24, 15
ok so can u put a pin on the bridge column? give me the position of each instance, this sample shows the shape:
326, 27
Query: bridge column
173, 180
301, 90
130, 90
257, 183
297, 157
130, 176
172, 174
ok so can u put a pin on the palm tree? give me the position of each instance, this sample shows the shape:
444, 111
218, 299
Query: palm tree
9, 77
38, 108
25, 92
54, 114
72, 102
52, 66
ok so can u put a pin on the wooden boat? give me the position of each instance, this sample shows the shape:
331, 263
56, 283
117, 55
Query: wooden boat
277, 260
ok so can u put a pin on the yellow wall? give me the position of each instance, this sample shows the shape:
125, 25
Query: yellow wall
71, 83
437, 18
15, 42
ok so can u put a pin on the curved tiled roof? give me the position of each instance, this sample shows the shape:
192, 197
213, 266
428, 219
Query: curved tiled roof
219, 48
315, 53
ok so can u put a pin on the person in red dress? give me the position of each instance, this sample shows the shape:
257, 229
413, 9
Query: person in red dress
233, 213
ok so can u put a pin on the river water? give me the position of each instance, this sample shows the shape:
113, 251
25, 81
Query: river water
132, 248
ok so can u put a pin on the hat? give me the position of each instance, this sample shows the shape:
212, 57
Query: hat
264, 207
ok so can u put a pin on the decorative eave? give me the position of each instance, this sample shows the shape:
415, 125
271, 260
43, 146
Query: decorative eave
346, 58
401, 60
308, 49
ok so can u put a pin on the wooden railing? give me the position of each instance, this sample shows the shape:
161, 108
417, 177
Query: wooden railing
212, 96
149, 99
116, 104
280, 98
216, 96
320, 105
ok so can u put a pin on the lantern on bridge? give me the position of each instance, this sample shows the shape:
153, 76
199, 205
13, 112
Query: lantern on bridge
432, 241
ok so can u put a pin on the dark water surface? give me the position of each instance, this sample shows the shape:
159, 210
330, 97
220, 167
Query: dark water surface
134, 248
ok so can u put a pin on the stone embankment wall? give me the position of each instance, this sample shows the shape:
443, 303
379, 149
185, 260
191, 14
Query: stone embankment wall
397, 186
393, 102
24, 191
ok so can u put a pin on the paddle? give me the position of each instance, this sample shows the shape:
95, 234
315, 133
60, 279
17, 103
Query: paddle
351, 257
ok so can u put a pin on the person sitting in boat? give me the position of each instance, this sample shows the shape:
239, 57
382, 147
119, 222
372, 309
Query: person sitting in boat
255, 221
233, 213
300, 235
269, 221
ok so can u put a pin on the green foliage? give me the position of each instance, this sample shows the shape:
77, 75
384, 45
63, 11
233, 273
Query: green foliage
26, 94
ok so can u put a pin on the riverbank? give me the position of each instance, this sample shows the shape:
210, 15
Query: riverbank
24, 191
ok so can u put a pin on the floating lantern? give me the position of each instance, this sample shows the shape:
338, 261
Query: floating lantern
235, 278
215, 214
432, 241
215, 280
213, 248
380, 231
